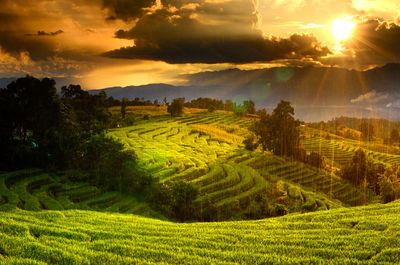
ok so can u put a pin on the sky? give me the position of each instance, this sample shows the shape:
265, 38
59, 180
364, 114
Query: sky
103, 43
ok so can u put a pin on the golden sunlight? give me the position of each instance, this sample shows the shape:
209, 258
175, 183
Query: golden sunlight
342, 28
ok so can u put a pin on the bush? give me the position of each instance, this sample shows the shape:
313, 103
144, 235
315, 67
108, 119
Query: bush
175, 200
389, 184
112, 168
176, 107
250, 143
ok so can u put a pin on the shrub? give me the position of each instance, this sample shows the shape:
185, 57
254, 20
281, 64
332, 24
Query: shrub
250, 143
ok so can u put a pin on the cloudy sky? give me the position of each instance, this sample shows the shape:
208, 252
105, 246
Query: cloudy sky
102, 43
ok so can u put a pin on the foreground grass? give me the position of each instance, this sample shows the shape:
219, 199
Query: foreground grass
360, 235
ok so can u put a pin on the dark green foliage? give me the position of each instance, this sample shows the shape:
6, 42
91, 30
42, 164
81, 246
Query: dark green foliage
389, 183
252, 107
278, 132
362, 172
394, 136
89, 111
316, 160
176, 200
176, 107
356, 171
367, 131
30, 117
112, 168
123, 107
250, 142
241, 109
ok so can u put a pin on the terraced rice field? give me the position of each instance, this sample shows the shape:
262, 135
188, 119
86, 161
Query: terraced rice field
204, 149
35, 190
342, 151
359, 235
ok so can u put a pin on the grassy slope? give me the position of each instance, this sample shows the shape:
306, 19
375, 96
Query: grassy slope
340, 150
35, 190
360, 235
206, 149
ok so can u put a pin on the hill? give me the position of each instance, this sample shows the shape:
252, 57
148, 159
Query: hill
35, 190
361, 235
206, 149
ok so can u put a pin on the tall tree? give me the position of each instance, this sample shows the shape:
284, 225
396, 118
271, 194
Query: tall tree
394, 136
30, 117
176, 107
123, 107
367, 131
252, 107
279, 131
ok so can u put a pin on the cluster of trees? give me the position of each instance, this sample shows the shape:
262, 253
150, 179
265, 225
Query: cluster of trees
247, 106
135, 102
176, 107
278, 132
207, 103
367, 131
364, 173
176, 200
64, 132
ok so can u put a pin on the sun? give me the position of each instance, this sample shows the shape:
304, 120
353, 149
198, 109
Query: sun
342, 28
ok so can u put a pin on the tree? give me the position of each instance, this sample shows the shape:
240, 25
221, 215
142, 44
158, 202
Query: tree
367, 131
279, 131
90, 111
252, 108
176, 107
389, 183
242, 108
394, 136
31, 116
250, 143
123, 107
356, 171
175, 200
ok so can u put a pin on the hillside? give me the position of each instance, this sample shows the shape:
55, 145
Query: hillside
361, 235
340, 150
35, 190
206, 149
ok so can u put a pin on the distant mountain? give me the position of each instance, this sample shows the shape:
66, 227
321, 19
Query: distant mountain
318, 93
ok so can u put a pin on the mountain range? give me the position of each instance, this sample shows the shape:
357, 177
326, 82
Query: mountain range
317, 93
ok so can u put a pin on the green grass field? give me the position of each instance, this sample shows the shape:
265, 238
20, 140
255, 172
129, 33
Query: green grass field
360, 235
34, 190
47, 219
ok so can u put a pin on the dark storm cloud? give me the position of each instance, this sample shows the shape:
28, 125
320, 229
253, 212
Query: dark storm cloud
205, 32
44, 33
375, 42
14, 43
127, 10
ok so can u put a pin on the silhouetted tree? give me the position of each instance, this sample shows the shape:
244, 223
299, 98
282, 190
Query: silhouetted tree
389, 183
176, 107
367, 131
394, 136
279, 131
31, 116
123, 107
252, 107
